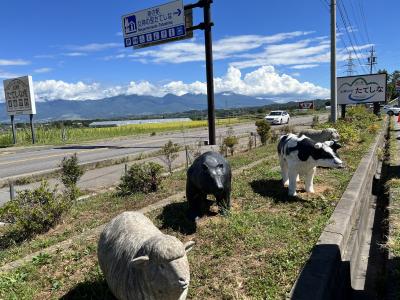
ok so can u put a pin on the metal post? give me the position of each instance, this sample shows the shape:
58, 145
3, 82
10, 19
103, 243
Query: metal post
343, 106
333, 63
12, 191
209, 69
126, 169
32, 129
14, 133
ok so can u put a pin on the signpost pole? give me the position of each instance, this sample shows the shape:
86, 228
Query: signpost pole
333, 63
343, 106
14, 133
32, 129
209, 69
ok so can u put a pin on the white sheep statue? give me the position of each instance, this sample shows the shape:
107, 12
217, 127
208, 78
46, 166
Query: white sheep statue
140, 262
321, 135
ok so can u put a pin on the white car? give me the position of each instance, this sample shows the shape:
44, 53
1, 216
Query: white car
391, 110
277, 117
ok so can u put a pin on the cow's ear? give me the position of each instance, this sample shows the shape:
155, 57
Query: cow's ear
204, 166
318, 145
140, 260
329, 143
188, 246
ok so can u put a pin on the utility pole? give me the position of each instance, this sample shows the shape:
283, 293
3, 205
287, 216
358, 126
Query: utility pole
372, 60
350, 64
371, 63
333, 63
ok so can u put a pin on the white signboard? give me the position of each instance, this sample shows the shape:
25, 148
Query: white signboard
19, 96
154, 24
361, 89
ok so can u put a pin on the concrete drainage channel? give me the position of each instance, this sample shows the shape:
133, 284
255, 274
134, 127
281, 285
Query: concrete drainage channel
345, 263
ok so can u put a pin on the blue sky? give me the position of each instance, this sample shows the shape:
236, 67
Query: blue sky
276, 49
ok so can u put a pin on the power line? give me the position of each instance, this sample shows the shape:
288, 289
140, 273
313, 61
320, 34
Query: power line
364, 20
346, 27
358, 20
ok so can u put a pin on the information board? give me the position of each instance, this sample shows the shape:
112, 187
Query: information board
154, 24
361, 89
20, 99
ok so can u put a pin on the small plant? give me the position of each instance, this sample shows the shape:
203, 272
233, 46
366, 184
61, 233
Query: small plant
315, 121
144, 178
171, 152
274, 136
30, 213
153, 133
287, 129
230, 141
71, 172
263, 130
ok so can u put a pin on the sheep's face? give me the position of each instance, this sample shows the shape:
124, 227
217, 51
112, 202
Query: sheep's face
167, 278
170, 279
334, 134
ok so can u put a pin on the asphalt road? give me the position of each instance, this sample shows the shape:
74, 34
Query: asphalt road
21, 162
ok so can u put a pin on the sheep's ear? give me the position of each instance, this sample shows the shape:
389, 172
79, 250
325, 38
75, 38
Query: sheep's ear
189, 245
318, 145
140, 260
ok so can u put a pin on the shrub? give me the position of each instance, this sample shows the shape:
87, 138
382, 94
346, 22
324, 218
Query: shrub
263, 130
170, 152
315, 121
230, 142
71, 172
145, 178
274, 136
32, 212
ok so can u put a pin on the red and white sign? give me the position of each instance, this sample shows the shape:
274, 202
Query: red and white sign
306, 105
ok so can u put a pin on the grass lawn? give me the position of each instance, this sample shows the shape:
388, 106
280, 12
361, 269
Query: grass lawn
254, 253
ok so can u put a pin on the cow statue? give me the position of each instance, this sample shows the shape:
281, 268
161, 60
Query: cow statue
210, 173
301, 155
139, 262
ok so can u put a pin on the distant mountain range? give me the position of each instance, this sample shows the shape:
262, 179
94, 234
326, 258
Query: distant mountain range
134, 105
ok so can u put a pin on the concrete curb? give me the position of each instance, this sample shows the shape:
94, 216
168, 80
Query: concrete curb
329, 270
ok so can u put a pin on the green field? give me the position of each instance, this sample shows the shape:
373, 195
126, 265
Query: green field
53, 136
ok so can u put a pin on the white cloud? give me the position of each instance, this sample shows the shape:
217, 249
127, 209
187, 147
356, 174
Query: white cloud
13, 62
74, 54
7, 75
57, 89
264, 81
224, 48
43, 70
93, 47
247, 51
306, 66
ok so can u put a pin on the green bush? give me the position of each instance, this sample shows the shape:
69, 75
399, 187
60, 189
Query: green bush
31, 212
352, 129
263, 130
145, 178
71, 172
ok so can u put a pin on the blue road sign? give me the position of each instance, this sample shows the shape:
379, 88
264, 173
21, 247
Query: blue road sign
154, 24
